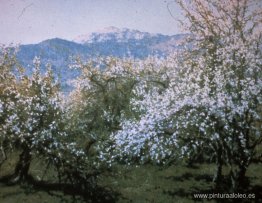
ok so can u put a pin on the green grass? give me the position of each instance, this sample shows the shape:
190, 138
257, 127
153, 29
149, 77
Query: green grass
137, 184
155, 184
23, 194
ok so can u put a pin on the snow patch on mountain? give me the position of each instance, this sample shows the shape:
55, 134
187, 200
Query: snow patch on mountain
113, 33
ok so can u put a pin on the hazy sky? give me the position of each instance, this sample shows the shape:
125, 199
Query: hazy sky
31, 21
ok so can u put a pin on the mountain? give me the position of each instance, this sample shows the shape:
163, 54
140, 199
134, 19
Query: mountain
126, 42
109, 41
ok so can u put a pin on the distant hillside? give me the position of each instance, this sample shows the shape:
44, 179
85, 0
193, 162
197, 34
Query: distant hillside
107, 42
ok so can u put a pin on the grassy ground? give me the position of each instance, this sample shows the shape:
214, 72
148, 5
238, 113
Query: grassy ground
137, 184
173, 184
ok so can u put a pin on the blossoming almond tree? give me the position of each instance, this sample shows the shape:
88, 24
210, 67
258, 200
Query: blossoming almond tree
213, 98
8, 93
229, 41
35, 122
104, 95
32, 123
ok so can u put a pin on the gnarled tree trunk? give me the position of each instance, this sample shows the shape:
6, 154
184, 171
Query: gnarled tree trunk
219, 163
23, 165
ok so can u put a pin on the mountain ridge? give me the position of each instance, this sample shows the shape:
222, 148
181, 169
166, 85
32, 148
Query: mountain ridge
112, 41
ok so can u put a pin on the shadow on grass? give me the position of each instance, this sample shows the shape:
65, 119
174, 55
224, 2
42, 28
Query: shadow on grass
195, 188
59, 190
10, 193
181, 178
188, 176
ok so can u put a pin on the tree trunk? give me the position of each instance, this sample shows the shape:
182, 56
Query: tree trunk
4, 157
239, 179
22, 167
218, 174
